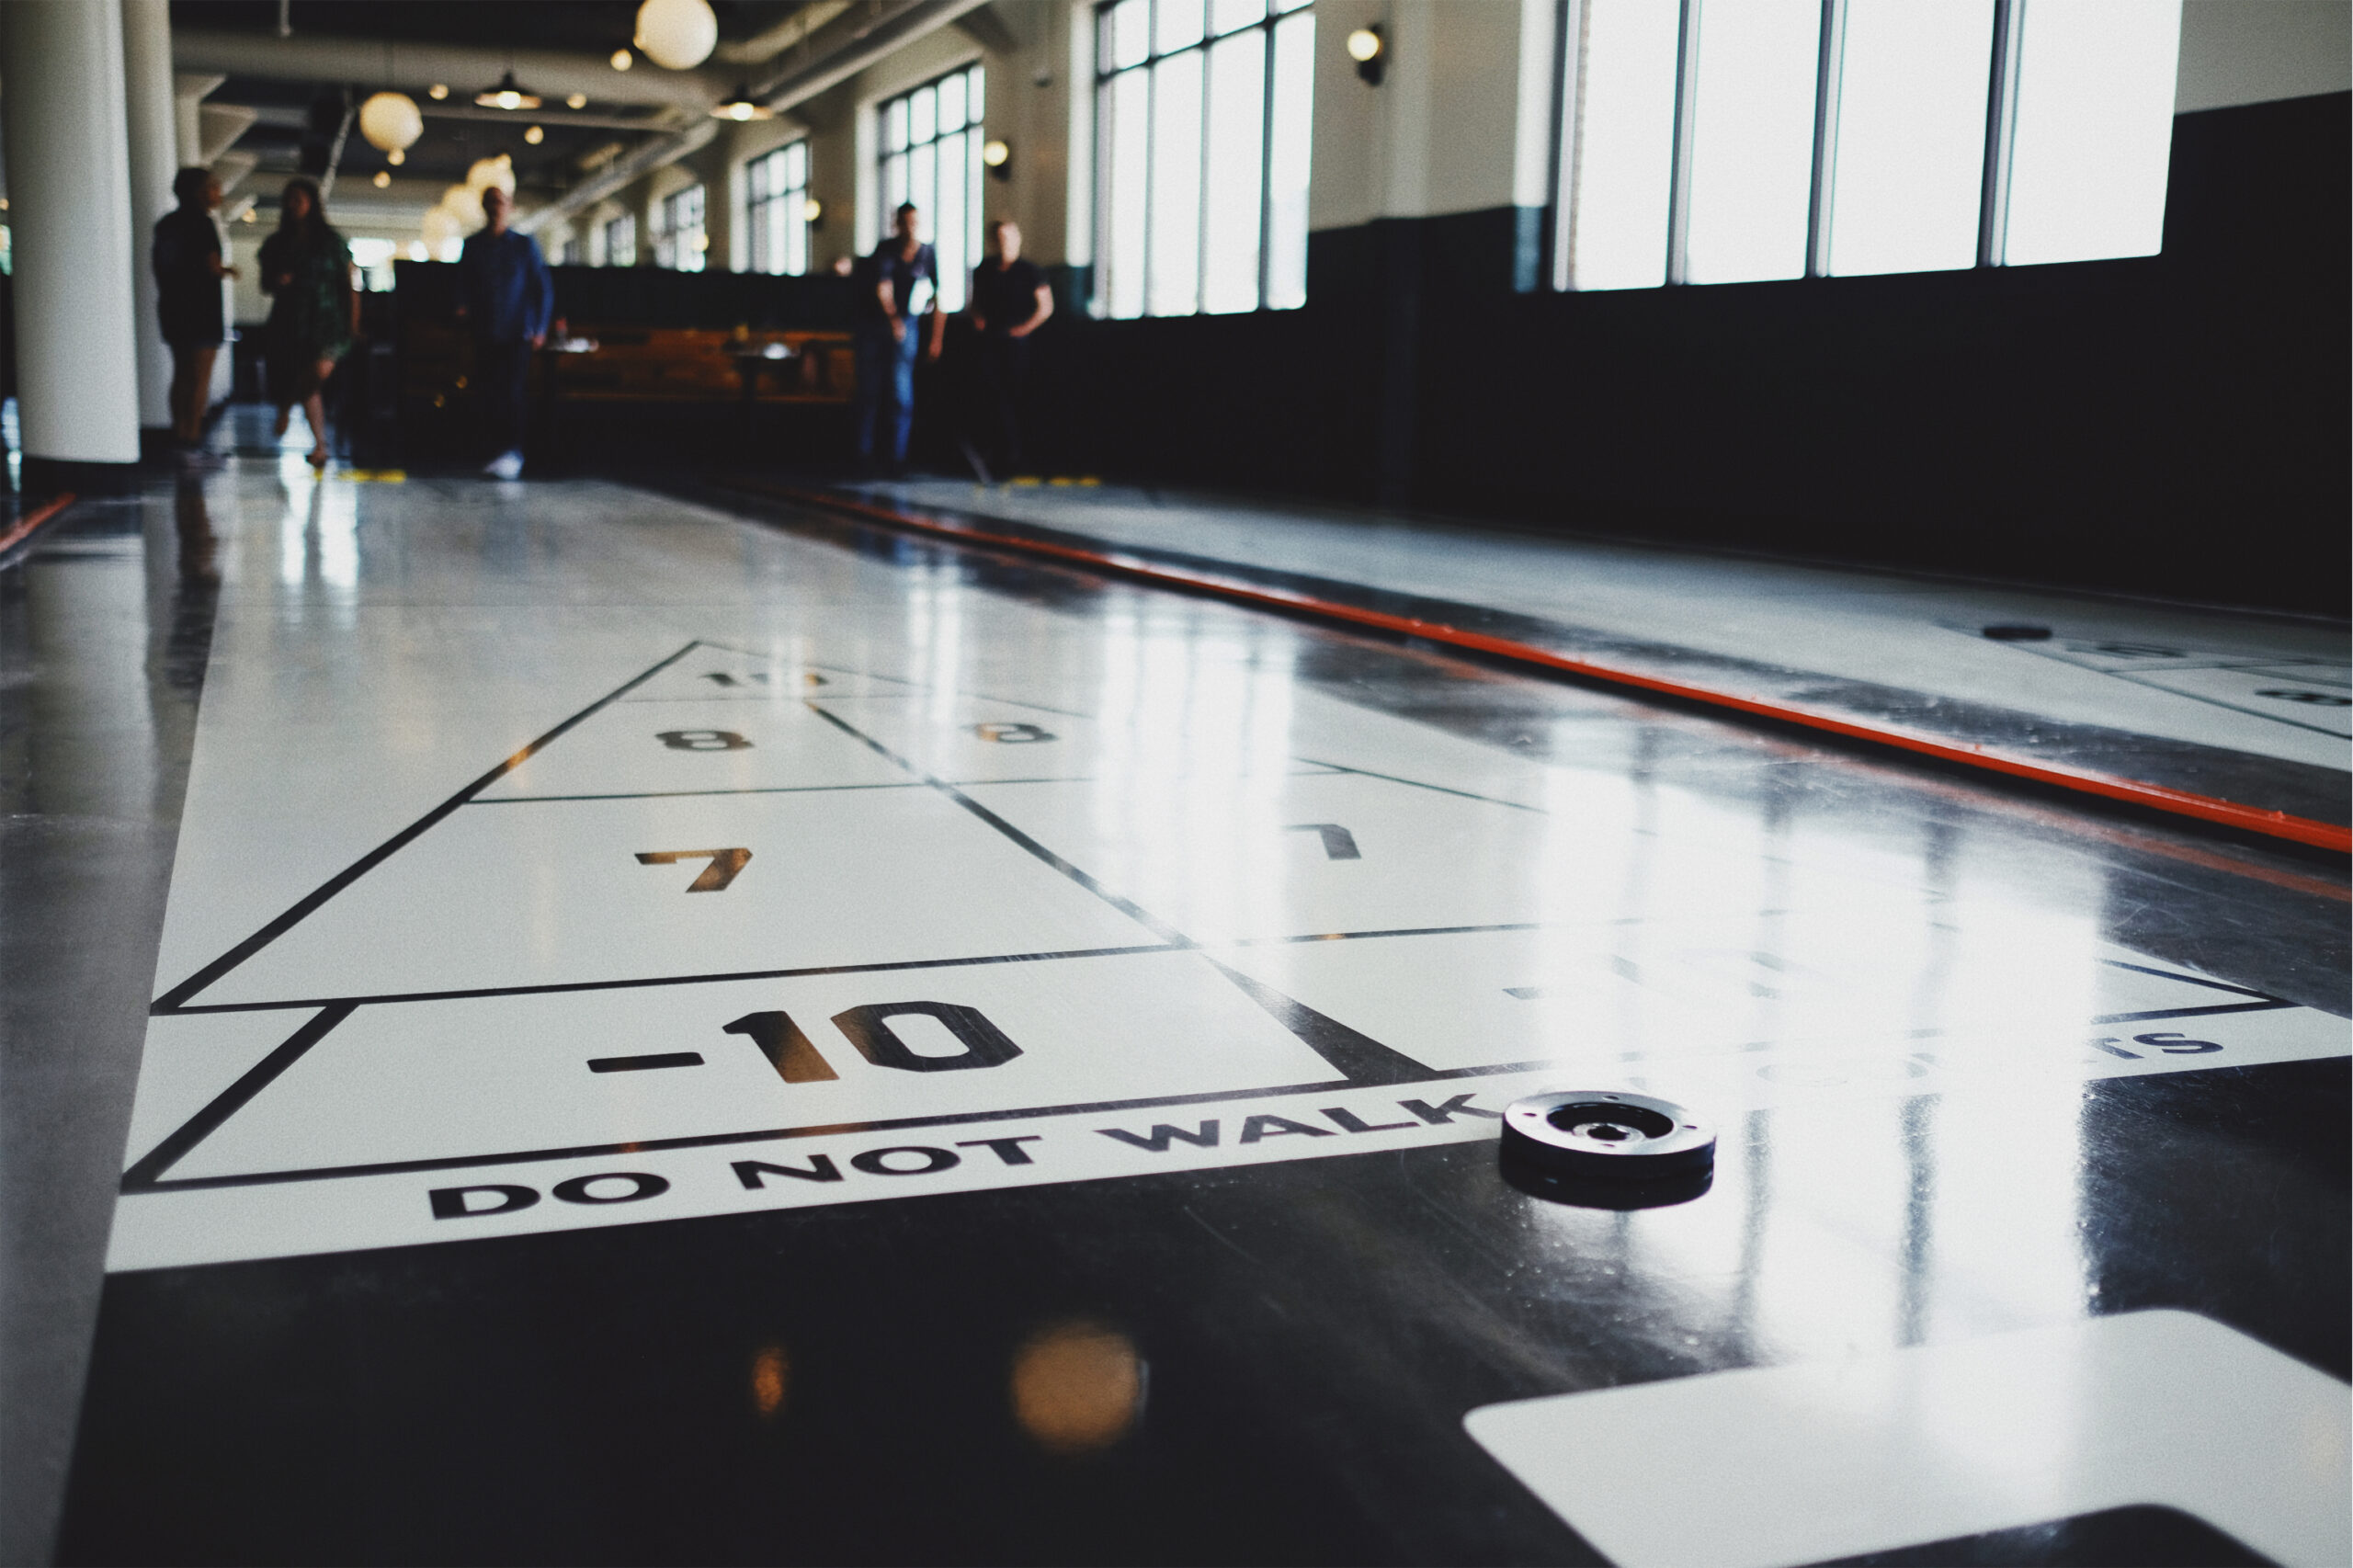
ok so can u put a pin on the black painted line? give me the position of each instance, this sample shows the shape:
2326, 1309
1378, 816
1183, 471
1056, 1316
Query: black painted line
1363, 1059
1417, 784
2273, 1006
645, 1064
771, 1135
1133, 911
231, 1100
2192, 980
172, 1000
2225, 703
671, 794
562, 986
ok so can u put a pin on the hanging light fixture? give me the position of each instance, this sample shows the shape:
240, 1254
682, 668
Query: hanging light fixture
741, 107
383, 177
507, 95
391, 121
624, 60
676, 35
487, 172
396, 157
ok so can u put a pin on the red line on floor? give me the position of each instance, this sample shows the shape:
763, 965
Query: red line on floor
2181, 802
33, 519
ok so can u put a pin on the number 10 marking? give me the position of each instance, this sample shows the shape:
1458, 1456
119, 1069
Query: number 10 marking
796, 1061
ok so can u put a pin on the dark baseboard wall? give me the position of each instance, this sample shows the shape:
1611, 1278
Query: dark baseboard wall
2175, 425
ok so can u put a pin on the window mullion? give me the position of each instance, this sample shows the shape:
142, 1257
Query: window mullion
1831, 64
1201, 189
2001, 119
1678, 189
1266, 163
1568, 74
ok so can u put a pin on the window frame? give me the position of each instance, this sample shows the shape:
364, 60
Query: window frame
626, 222
2001, 74
954, 283
757, 196
1106, 75
667, 228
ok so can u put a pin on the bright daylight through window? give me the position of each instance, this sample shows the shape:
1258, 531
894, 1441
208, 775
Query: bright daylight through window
1203, 120
776, 209
679, 241
931, 156
1735, 141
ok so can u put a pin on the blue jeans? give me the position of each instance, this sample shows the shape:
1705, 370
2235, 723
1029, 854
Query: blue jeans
886, 362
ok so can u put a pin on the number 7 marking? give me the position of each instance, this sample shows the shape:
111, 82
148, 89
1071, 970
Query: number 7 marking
724, 865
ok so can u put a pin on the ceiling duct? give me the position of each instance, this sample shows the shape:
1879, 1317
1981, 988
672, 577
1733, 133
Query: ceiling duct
376, 63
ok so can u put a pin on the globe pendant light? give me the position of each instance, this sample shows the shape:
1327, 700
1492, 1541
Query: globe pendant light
487, 172
677, 35
390, 123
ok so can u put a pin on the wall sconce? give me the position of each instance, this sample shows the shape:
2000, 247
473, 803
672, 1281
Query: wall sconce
1368, 47
999, 159
813, 212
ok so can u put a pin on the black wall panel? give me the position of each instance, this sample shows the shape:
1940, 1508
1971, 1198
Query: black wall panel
2173, 425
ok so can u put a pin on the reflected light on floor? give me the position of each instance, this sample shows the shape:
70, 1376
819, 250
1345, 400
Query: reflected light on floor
769, 1370
1077, 1387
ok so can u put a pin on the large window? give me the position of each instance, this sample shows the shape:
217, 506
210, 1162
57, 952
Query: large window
777, 210
1202, 124
679, 238
1731, 141
931, 156
620, 239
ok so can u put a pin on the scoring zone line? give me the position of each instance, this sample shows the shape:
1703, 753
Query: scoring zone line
1359, 1060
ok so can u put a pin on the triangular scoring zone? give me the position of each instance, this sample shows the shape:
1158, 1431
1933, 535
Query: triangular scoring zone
183, 995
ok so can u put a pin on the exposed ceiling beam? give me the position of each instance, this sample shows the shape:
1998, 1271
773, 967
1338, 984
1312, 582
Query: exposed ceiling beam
624, 171
761, 48
412, 66
841, 60
804, 82
986, 26
556, 117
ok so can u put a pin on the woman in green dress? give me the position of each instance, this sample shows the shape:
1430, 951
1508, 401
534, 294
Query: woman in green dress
315, 312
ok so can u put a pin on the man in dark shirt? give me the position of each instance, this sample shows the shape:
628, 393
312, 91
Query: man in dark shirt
505, 296
1010, 300
188, 270
901, 276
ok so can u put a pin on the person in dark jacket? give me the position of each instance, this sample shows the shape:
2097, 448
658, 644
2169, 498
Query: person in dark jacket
1010, 300
891, 287
188, 270
506, 298
313, 312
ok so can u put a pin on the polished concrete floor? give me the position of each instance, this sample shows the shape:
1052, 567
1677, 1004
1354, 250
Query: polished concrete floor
2225, 713
698, 1033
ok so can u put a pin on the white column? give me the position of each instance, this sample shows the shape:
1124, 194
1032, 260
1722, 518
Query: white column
151, 123
69, 189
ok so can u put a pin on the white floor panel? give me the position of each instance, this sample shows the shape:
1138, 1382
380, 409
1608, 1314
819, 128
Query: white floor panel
557, 893
874, 769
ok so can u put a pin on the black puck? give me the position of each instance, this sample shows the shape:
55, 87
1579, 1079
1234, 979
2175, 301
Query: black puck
2017, 633
1608, 1136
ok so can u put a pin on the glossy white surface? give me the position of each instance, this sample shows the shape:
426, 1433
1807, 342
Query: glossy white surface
1914, 633
1130, 808
1777, 1466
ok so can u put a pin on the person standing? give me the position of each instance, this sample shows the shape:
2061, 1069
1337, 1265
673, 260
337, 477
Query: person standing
188, 270
1010, 300
900, 277
506, 297
313, 312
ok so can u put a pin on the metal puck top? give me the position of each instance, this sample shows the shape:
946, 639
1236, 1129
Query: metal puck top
1607, 1134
